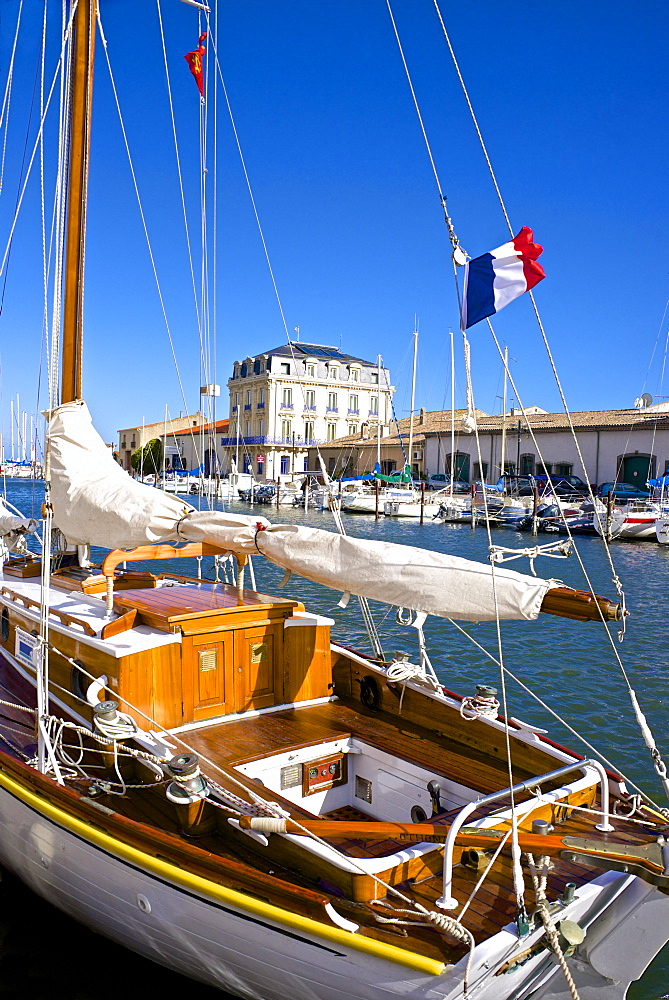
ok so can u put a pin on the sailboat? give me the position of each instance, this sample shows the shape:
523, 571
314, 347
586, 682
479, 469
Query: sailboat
199, 772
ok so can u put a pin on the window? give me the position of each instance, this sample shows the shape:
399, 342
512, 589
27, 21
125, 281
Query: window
354, 375
308, 431
388, 466
310, 399
261, 428
236, 399
285, 464
374, 406
311, 371
332, 371
249, 398
286, 429
353, 404
332, 401
260, 467
285, 368
261, 398
375, 378
526, 465
287, 398
306, 465
332, 432
248, 428
563, 469
353, 428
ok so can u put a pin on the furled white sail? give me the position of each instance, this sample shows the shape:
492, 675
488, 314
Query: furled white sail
95, 502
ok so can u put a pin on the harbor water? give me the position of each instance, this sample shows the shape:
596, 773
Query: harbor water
571, 666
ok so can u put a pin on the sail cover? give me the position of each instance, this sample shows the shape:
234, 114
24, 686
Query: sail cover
96, 502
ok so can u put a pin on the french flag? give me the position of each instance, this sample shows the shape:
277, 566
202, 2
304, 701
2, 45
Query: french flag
499, 277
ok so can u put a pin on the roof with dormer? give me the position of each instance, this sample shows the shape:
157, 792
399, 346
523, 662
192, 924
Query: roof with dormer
302, 351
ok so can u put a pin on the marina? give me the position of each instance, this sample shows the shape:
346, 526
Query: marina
282, 752
586, 690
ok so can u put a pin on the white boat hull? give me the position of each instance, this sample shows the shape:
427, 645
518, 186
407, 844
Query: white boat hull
627, 523
662, 528
247, 953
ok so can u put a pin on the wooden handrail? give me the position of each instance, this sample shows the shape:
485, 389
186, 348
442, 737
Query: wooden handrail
147, 552
64, 617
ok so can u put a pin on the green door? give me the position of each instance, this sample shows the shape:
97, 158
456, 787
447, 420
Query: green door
462, 467
636, 470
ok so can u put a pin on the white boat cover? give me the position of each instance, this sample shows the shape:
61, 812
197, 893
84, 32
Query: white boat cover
12, 524
96, 502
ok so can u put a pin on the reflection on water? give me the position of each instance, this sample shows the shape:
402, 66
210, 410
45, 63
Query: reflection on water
571, 665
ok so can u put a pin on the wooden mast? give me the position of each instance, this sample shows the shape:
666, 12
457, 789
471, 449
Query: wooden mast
81, 83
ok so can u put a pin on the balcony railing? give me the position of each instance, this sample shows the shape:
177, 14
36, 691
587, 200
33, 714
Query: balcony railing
332, 409
247, 406
310, 408
287, 406
282, 442
234, 409
353, 412
260, 406
373, 413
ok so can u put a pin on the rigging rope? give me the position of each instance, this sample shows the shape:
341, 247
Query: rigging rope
7, 96
658, 763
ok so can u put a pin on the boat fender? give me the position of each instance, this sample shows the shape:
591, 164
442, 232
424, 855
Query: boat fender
370, 695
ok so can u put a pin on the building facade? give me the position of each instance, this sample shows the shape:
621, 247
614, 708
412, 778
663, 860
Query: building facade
628, 445
131, 438
298, 395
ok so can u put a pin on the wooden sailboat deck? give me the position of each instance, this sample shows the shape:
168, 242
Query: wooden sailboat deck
493, 906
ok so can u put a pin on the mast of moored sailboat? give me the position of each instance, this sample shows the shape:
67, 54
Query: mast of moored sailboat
81, 77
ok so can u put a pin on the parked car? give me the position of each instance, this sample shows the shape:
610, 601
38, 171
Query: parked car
442, 481
523, 485
622, 491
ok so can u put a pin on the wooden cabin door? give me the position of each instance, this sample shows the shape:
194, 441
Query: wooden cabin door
212, 675
258, 668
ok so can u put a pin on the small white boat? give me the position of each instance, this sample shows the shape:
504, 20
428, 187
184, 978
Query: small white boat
365, 503
436, 505
631, 520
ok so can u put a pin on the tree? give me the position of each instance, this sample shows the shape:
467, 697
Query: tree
148, 459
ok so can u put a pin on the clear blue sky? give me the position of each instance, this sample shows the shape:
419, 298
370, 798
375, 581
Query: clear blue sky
572, 101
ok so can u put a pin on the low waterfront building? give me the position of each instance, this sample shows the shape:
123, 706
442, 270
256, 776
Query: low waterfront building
288, 399
356, 454
628, 445
131, 438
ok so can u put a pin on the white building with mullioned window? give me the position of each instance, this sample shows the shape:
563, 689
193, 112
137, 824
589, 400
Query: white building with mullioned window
299, 395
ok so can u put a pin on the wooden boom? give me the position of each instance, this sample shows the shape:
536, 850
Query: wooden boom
580, 605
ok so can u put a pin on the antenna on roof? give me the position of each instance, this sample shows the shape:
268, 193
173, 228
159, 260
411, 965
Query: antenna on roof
340, 342
643, 401
297, 331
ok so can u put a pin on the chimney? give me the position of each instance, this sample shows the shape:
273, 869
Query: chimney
421, 417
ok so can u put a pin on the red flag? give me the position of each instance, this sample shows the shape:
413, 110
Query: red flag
194, 60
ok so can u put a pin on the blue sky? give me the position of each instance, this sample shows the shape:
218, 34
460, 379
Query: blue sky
572, 102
